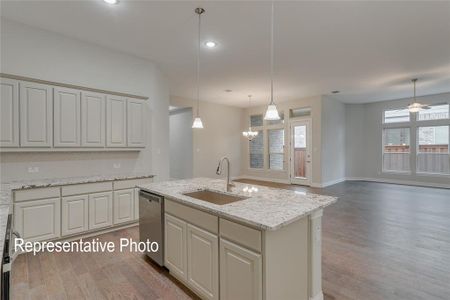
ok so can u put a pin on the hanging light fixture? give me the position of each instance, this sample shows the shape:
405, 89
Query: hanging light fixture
271, 112
250, 134
416, 106
197, 121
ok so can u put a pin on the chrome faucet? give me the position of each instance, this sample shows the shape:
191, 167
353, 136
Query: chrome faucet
219, 172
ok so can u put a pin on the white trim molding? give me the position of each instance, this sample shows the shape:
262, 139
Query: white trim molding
403, 182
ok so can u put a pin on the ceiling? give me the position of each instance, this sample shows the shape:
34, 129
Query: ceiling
367, 50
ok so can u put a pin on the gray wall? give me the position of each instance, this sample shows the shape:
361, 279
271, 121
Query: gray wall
333, 141
181, 147
364, 141
36, 53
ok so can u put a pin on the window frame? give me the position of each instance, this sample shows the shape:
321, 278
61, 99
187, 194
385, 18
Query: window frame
284, 148
383, 153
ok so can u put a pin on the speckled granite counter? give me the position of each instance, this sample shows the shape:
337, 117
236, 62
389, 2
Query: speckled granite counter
7, 188
266, 208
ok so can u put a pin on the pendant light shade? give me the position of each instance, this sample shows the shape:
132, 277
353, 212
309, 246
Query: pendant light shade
198, 124
272, 112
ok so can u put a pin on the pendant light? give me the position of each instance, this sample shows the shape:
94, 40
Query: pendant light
250, 134
416, 106
197, 121
271, 112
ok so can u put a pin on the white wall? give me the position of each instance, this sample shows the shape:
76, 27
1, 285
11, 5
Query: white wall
220, 137
181, 144
36, 53
364, 141
333, 141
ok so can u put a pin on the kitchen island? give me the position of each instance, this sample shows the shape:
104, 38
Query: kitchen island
252, 242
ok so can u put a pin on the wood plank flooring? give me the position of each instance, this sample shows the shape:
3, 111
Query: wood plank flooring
380, 241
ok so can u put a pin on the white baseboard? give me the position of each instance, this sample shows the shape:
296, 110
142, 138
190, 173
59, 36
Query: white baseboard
328, 183
403, 182
277, 180
318, 296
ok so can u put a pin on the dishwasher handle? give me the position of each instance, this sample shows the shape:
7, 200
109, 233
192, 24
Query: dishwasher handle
150, 197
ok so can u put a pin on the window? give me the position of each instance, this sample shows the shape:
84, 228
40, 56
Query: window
275, 122
436, 112
432, 150
396, 116
256, 120
396, 149
257, 151
276, 149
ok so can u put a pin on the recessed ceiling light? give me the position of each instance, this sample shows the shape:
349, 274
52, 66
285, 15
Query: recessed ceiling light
111, 1
228, 91
211, 44
335, 92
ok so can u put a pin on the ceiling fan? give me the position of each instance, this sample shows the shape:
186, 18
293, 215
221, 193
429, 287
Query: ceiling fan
416, 106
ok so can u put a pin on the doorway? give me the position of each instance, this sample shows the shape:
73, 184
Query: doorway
301, 158
181, 149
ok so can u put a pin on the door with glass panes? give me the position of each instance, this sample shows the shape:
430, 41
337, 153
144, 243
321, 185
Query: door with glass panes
300, 154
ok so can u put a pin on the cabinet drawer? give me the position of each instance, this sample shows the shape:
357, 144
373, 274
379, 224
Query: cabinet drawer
131, 183
192, 215
33, 194
86, 188
241, 234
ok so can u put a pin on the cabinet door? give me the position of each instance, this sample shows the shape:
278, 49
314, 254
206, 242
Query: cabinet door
123, 206
136, 122
93, 122
74, 214
9, 113
203, 262
36, 115
136, 203
66, 117
38, 220
100, 210
175, 247
240, 272
116, 121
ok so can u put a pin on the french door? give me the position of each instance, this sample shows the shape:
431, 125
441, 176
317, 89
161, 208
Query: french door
300, 154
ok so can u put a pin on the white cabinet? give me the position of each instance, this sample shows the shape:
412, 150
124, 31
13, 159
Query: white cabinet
175, 247
100, 210
123, 206
136, 110
66, 117
203, 262
9, 113
38, 220
93, 122
240, 272
36, 114
116, 121
74, 214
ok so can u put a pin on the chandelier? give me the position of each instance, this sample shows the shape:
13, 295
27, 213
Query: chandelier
250, 134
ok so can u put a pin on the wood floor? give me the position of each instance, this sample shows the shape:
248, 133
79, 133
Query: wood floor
380, 241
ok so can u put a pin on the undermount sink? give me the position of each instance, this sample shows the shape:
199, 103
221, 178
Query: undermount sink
215, 197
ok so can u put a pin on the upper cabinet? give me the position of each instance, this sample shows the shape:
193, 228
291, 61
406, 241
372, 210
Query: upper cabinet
136, 110
9, 113
93, 111
116, 121
67, 117
36, 114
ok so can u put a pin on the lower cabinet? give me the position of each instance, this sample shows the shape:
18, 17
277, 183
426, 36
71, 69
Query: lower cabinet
74, 214
203, 262
175, 247
240, 272
123, 206
38, 220
100, 210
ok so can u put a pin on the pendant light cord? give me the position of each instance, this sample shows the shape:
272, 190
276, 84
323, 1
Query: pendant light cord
271, 55
198, 62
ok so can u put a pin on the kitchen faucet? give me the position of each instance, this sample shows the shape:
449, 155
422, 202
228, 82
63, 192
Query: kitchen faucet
219, 172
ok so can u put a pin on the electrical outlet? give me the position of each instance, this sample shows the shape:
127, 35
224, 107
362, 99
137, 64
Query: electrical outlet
116, 165
33, 169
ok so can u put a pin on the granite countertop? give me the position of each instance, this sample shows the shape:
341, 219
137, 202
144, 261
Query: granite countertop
266, 208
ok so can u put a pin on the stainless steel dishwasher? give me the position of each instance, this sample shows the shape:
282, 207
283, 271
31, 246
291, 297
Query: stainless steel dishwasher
151, 223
